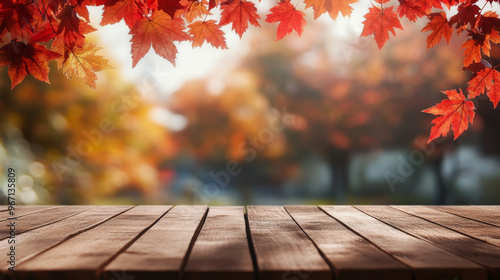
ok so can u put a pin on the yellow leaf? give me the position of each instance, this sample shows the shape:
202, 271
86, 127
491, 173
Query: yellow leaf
81, 62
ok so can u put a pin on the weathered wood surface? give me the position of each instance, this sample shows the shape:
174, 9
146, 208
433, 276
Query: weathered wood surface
351, 256
282, 247
426, 260
252, 243
161, 252
221, 250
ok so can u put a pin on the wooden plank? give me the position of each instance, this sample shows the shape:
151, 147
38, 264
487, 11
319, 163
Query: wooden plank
161, 252
426, 260
482, 231
81, 257
351, 256
473, 249
221, 250
41, 218
21, 211
485, 214
40, 239
281, 247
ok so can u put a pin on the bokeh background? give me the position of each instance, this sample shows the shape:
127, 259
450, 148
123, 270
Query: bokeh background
322, 119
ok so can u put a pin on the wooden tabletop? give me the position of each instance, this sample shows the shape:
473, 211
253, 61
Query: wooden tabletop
249, 243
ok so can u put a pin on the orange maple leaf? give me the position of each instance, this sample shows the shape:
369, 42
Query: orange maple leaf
159, 31
438, 24
379, 21
24, 59
489, 80
195, 9
207, 31
289, 19
472, 51
81, 62
456, 111
239, 13
332, 7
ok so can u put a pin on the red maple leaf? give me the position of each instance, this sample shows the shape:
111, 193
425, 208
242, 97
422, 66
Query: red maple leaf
477, 66
212, 4
47, 31
486, 80
16, 18
455, 112
170, 6
489, 22
467, 14
289, 19
115, 11
159, 31
414, 9
472, 51
72, 28
332, 7
207, 31
80, 7
24, 59
195, 9
379, 21
239, 13
448, 3
489, 27
438, 24
49, 7
151, 5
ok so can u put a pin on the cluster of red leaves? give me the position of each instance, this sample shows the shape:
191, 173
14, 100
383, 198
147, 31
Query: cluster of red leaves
482, 29
33, 32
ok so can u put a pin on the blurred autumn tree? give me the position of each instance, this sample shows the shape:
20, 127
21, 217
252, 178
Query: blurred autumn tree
364, 99
89, 145
345, 99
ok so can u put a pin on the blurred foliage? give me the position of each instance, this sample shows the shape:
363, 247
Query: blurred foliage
298, 119
88, 144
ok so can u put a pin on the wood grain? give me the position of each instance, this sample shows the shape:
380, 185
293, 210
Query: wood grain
40, 239
485, 214
221, 250
81, 257
426, 260
161, 252
270, 242
351, 255
487, 233
23, 210
41, 218
282, 249
473, 249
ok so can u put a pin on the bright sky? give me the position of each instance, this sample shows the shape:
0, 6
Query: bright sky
190, 63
